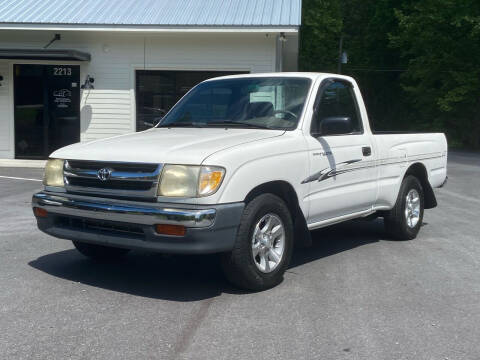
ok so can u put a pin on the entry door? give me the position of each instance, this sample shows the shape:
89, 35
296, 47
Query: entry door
47, 108
30, 111
63, 83
342, 166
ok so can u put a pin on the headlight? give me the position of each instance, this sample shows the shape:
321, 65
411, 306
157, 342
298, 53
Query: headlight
53, 175
190, 181
179, 180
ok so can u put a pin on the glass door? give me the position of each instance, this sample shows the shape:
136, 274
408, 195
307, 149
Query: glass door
63, 102
46, 108
30, 112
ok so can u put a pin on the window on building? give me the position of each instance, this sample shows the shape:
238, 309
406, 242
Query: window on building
157, 91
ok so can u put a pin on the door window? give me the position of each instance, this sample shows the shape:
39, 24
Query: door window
337, 111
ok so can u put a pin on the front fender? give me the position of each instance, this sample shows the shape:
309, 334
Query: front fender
284, 158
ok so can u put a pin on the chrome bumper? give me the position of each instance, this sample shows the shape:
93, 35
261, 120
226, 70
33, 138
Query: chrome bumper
129, 224
113, 211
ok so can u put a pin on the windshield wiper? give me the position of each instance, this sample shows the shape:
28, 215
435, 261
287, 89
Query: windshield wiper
225, 123
239, 124
182, 124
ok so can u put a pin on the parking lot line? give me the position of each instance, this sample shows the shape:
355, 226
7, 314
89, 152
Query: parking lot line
18, 178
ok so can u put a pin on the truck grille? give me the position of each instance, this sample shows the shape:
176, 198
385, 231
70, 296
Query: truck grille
101, 227
132, 180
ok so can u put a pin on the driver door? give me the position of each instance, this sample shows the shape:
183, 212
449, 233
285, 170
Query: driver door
341, 155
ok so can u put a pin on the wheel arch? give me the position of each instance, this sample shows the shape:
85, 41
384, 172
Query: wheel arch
287, 193
420, 172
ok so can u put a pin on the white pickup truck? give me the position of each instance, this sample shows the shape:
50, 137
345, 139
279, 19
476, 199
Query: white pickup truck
243, 166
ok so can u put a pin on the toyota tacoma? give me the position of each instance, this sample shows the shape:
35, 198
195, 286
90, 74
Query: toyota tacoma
244, 166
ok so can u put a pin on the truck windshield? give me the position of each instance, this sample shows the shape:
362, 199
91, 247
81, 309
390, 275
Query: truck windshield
256, 102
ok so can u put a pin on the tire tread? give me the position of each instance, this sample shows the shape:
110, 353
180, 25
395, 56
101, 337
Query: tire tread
237, 265
394, 220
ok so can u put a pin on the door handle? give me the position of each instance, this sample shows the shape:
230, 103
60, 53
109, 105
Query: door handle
366, 151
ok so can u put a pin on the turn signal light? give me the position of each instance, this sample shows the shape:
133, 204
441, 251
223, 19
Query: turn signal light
175, 230
39, 212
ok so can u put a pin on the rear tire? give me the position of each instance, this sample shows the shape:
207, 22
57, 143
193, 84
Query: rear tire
99, 252
263, 246
404, 221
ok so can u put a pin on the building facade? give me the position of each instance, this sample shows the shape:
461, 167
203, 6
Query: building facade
67, 77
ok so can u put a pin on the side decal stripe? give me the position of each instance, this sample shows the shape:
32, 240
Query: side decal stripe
358, 164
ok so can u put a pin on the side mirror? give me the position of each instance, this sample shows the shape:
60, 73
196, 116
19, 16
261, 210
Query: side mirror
336, 125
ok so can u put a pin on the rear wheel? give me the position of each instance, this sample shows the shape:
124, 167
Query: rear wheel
263, 246
99, 252
403, 222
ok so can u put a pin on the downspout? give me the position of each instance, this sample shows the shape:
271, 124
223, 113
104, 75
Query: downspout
281, 49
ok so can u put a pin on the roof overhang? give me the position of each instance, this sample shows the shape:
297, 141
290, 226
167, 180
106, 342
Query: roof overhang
149, 28
44, 54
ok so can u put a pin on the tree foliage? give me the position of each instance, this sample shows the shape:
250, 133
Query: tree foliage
416, 61
441, 42
321, 28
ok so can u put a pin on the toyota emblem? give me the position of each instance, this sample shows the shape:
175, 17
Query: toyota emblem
104, 174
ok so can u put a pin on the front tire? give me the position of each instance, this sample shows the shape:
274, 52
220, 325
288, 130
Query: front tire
263, 246
403, 222
99, 252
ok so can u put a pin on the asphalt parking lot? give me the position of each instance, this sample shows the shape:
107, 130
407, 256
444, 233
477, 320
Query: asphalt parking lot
354, 294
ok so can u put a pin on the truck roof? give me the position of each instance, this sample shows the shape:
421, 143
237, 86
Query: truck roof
310, 75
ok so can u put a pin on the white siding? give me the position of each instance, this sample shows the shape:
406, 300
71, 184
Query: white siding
105, 113
109, 109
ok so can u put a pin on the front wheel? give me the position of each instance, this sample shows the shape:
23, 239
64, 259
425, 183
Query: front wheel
403, 222
263, 246
99, 252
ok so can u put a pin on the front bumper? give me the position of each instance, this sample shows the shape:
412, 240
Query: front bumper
130, 224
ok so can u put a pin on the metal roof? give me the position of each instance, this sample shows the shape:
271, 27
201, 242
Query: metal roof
168, 13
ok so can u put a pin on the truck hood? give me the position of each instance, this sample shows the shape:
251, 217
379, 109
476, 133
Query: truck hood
164, 145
